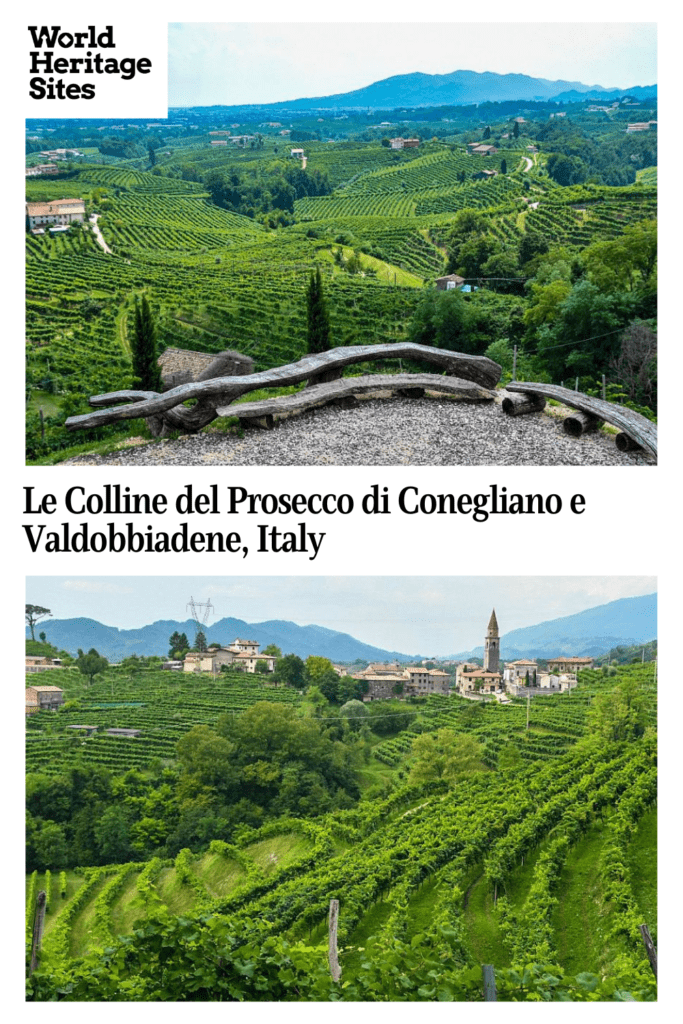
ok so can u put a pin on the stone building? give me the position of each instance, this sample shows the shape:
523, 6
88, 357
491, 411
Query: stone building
242, 654
38, 663
568, 665
492, 646
59, 212
516, 671
471, 679
39, 698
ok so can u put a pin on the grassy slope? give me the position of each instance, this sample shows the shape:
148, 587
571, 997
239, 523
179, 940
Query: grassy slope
217, 873
642, 862
580, 918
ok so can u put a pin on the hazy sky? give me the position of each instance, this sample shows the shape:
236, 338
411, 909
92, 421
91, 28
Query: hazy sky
436, 615
235, 63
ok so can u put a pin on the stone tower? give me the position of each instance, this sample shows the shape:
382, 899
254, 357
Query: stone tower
492, 645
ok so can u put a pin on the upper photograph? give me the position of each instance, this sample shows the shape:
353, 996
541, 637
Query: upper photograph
354, 244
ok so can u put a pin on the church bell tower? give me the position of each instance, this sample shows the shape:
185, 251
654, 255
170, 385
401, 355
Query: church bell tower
492, 645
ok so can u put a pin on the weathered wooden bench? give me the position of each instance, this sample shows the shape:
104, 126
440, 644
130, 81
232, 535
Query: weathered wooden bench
635, 430
166, 412
346, 391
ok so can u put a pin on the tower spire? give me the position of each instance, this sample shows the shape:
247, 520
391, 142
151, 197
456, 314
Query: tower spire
492, 645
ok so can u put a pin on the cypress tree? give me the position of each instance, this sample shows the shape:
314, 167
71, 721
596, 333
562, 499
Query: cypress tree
318, 316
144, 348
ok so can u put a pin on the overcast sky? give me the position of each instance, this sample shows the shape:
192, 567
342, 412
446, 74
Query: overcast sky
432, 615
227, 63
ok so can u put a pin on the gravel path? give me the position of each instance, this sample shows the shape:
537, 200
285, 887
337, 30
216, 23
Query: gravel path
390, 432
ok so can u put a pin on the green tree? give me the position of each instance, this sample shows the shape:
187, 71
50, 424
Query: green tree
443, 319
273, 650
206, 763
354, 712
289, 670
50, 846
34, 612
144, 347
112, 836
318, 319
178, 643
199, 642
90, 664
585, 335
618, 716
445, 756
503, 269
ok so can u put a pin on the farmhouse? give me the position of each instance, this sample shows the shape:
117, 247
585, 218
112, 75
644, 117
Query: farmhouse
521, 669
244, 646
38, 169
38, 663
481, 149
479, 681
59, 211
449, 282
298, 153
208, 661
243, 654
40, 698
404, 143
570, 665
248, 662
60, 154
430, 680
385, 681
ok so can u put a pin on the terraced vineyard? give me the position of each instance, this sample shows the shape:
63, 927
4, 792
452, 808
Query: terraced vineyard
162, 705
217, 279
442, 878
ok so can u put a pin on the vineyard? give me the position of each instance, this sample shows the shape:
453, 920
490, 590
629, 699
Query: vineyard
433, 880
217, 279
162, 705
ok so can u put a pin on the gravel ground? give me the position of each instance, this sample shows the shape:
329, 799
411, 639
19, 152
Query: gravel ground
390, 432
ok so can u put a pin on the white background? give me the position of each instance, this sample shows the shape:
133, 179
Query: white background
630, 527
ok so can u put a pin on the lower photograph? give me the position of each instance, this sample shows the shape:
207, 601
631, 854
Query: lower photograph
341, 789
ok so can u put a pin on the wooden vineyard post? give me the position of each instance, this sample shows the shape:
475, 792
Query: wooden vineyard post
38, 921
335, 969
649, 947
489, 976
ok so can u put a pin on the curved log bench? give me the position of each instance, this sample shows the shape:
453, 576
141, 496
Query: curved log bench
165, 412
635, 429
410, 385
